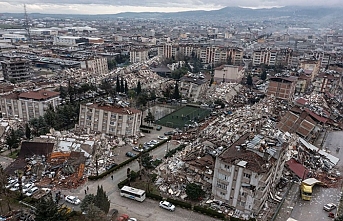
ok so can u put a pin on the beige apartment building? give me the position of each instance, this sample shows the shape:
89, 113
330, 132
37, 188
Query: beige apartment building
264, 56
109, 119
96, 65
246, 174
28, 105
139, 55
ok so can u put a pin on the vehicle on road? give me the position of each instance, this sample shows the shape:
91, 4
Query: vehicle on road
111, 166
167, 205
125, 217
168, 133
133, 193
130, 154
149, 144
154, 142
329, 207
137, 149
73, 200
306, 188
32, 191
159, 128
27, 186
161, 137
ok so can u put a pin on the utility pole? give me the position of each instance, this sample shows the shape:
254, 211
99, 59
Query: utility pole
27, 28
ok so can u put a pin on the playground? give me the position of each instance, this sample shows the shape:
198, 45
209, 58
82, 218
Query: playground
184, 116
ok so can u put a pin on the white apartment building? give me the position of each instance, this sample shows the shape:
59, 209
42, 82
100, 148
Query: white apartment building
96, 65
244, 176
264, 56
108, 119
228, 73
28, 105
139, 55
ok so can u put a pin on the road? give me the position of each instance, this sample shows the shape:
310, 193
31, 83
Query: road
5, 161
147, 210
313, 210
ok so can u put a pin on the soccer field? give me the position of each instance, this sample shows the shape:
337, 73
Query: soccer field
184, 115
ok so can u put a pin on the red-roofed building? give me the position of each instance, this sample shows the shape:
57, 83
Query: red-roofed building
109, 119
28, 105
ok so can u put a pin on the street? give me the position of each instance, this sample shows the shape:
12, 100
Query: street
147, 210
5, 161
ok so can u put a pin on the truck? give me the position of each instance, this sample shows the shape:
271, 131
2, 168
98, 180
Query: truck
42, 192
306, 188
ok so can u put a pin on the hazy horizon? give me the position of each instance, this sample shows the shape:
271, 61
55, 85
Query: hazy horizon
117, 6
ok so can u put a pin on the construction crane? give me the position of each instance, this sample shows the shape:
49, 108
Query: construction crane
27, 28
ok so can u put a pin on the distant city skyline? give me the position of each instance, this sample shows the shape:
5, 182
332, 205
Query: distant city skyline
117, 6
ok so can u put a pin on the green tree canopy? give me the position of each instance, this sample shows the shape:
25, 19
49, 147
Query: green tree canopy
48, 210
249, 80
176, 94
194, 191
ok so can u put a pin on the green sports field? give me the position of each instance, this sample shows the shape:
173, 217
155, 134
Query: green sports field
182, 116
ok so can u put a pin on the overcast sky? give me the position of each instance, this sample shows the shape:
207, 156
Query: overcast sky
116, 6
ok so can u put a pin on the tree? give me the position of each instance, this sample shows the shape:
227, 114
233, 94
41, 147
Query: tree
194, 191
176, 94
50, 117
94, 213
339, 218
126, 88
211, 81
118, 89
122, 87
111, 63
249, 80
139, 88
149, 118
27, 131
88, 200
146, 161
101, 200
63, 93
48, 210
264, 75
13, 139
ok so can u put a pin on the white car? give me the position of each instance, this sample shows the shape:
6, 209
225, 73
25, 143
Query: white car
27, 187
154, 142
11, 183
167, 205
330, 206
73, 200
137, 149
15, 187
32, 191
162, 137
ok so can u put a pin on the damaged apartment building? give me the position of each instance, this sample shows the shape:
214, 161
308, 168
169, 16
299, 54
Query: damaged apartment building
247, 172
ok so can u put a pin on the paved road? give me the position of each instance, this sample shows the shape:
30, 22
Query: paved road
5, 161
147, 210
313, 210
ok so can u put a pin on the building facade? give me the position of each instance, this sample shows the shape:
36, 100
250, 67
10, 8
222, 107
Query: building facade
244, 177
139, 55
282, 88
16, 69
228, 73
95, 65
108, 119
28, 105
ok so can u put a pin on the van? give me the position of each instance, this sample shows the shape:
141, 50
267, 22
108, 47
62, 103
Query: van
184, 101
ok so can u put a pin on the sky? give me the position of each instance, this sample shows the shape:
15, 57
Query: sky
117, 6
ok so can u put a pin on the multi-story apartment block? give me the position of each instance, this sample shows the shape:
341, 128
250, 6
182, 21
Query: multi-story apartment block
282, 87
95, 65
264, 56
139, 55
74, 41
246, 173
16, 69
192, 88
28, 105
310, 67
167, 50
228, 73
109, 119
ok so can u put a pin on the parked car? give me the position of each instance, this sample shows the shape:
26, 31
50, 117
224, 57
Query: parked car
154, 142
15, 187
159, 127
167, 205
73, 200
137, 149
329, 207
32, 191
11, 183
168, 133
130, 154
161, 137
108, 167
149, 144
28, 186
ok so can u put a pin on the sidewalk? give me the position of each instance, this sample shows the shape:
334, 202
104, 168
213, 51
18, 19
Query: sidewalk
288, 205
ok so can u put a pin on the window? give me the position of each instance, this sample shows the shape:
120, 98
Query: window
246, 175
221, 185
